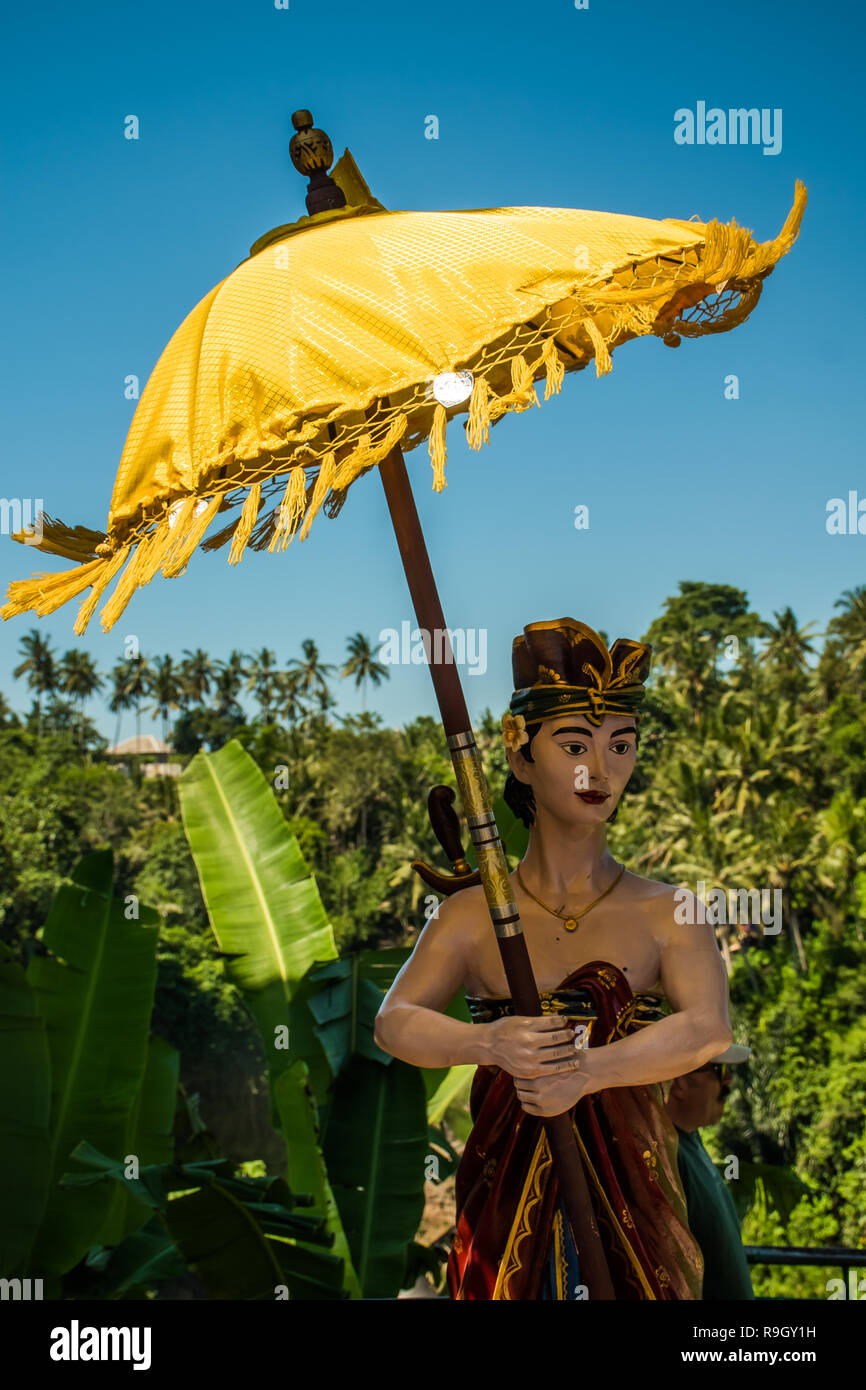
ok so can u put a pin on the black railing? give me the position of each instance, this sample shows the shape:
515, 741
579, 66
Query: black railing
839, 1256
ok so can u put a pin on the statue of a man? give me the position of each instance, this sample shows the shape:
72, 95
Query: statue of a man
633, 995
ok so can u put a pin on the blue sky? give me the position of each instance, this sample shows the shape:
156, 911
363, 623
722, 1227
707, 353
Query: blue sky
108, 243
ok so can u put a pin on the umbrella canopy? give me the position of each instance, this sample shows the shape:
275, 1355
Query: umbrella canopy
332, 342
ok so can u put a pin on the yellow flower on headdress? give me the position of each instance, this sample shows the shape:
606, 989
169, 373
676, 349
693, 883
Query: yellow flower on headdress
514, 730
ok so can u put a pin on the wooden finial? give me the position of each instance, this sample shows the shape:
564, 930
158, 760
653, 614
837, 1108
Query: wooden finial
312, 154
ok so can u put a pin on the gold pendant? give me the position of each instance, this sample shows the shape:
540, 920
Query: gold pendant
570, 923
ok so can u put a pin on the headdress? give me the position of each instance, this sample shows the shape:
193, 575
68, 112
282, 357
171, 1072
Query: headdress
564, 667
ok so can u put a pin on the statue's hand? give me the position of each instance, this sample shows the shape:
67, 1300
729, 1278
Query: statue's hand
533, 1046
552, 1095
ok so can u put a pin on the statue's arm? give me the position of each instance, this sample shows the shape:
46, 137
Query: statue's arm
410, 1023
695, 984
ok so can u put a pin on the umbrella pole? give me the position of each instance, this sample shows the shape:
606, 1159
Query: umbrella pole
490, 854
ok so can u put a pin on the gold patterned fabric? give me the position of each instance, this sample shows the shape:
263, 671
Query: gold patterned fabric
300, 371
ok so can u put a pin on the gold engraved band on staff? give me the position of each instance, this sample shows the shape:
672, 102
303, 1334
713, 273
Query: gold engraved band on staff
489, 851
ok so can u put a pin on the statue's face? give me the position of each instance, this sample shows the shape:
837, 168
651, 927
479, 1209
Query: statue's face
579, 772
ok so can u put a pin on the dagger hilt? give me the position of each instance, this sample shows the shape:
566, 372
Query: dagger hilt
446, 828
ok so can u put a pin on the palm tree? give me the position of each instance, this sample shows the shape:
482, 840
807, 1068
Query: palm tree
788, 647
687, 637
849, 628
363, 666
7, 714
228, 683
79, 678
263, 680
166, 686
311, 673
839, 837
138, 686
287, 700
121, 698
40, 669
195, 674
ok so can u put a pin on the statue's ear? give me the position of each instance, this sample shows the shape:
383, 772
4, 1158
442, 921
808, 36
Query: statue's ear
517, 764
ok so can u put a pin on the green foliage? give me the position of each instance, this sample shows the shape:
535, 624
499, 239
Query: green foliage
374, 1149
25, 1115
54, 807
77, 1061
246, 1237
354, 1118
94, 989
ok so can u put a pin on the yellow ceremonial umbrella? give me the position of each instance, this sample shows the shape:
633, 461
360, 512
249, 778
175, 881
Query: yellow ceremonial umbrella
354, 329
350, 336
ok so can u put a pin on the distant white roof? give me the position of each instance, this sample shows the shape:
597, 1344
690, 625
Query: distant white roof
146, 743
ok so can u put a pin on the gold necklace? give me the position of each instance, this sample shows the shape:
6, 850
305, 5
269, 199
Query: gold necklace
570, 920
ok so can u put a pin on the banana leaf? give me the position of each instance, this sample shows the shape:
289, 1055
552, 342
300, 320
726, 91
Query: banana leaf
157, 1184
424, 1260
453, 1088
447, 1159
340, 1004
235, 1259
130, 1270
333, 1014
512, 832
243, 1236
193, 1141
382, 968
149, 1137
374, 1149
263, 904
305, 1169
95, 992
25, 1110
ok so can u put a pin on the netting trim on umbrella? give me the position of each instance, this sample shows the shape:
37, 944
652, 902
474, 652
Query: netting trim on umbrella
705, 288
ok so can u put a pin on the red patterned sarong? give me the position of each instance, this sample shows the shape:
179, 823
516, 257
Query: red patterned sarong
509, 1218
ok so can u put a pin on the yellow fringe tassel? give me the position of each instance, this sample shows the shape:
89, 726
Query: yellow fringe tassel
244, 529
727, 252
522, 394
69, 542
126, 586
478, 425
153, 549
87, 606
43, 593
158, 545
188, 542
366, 454
291, 509
354, 463
769, 252
521, 382
436, 447
172, 531
555, 368
324, 480
603, 363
